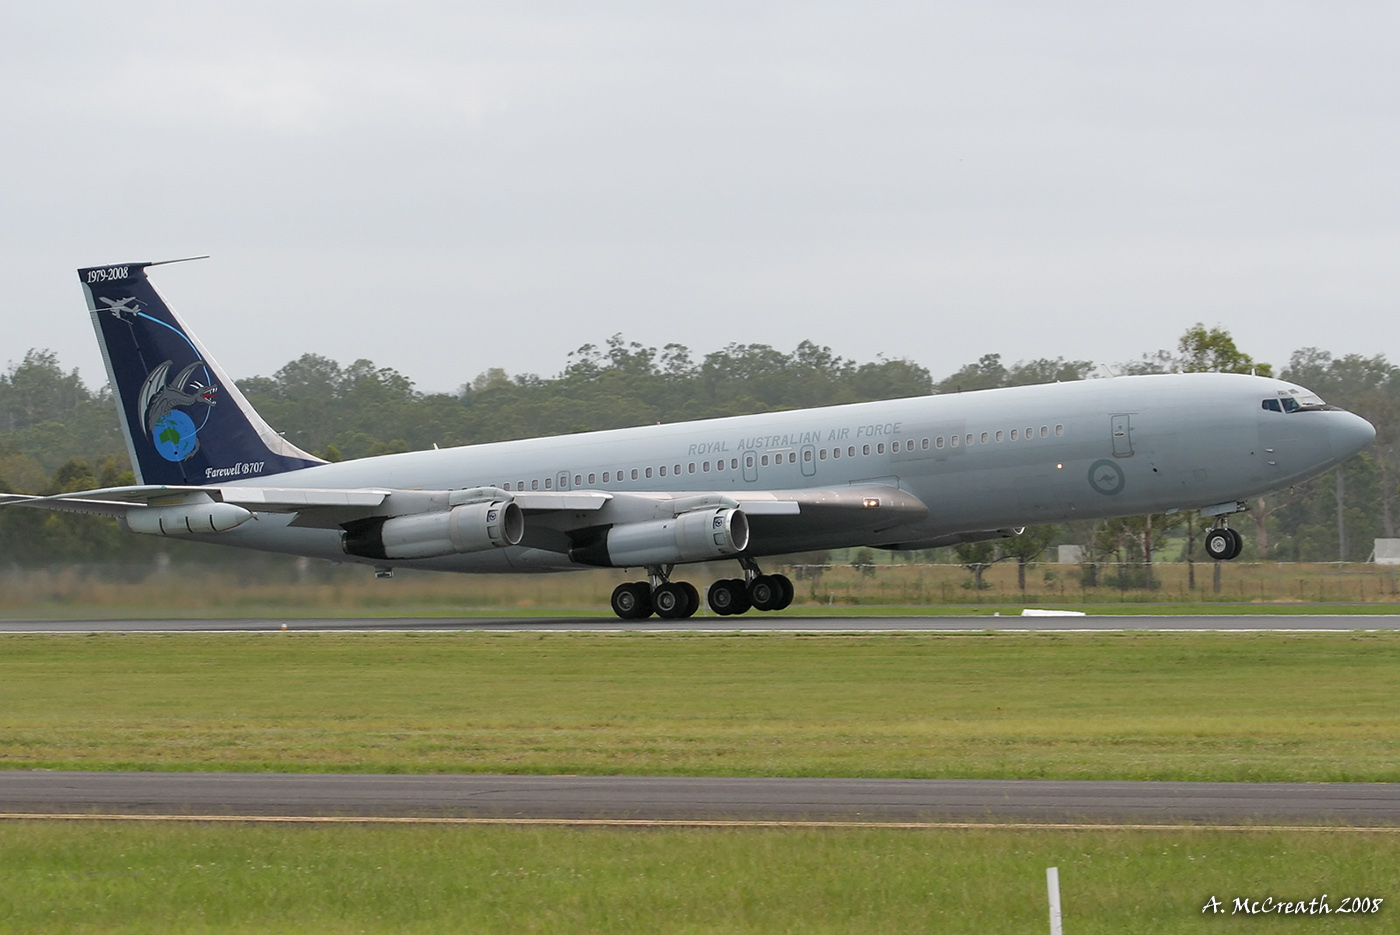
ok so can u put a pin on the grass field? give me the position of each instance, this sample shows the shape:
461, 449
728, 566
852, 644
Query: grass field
1158, 706
1317, 707
115, 878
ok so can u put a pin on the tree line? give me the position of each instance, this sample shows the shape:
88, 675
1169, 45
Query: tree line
57, 434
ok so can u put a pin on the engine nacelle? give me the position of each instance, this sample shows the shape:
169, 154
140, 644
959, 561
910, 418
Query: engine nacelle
472, 527
186, 518
698, 536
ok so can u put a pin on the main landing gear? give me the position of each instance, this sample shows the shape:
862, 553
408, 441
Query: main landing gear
676, 600
1222, 542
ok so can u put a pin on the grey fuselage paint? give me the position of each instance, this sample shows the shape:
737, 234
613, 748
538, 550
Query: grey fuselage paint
1097, 448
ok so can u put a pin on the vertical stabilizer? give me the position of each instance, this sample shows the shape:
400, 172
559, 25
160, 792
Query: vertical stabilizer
184, 420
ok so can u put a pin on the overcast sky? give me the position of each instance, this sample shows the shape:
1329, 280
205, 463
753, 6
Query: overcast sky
447, 187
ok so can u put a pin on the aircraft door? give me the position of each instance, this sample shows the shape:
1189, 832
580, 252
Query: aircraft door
750, 467
1122, 436
808, 460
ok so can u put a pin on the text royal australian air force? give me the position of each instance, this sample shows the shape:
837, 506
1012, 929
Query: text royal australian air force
794, 439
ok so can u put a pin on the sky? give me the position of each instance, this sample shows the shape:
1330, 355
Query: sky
444, 188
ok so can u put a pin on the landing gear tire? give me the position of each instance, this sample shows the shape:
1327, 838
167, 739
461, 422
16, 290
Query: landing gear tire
789, 592
675, 601
1238, 547
632, 601
692, 595
767, 592
728, 597
1223, 544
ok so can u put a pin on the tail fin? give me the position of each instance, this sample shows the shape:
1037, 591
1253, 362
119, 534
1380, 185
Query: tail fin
191, 428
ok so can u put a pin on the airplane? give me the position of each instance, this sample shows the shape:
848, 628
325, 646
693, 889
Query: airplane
897, 474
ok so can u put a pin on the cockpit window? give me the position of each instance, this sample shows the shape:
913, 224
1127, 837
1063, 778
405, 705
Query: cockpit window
1295, 402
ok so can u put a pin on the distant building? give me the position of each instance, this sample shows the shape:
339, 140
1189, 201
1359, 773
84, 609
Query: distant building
1074, 554
1388, 551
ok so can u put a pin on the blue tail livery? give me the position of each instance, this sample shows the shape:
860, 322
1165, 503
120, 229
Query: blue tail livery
184, 420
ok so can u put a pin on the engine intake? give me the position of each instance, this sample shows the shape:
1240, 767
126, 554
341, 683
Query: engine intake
697, 536
472, 527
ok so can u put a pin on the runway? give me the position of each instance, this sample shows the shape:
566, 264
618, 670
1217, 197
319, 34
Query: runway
637, 799
749, 623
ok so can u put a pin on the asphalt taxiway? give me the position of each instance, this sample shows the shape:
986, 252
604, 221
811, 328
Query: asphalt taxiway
677, 799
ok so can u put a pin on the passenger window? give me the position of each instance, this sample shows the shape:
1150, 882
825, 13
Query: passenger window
1030, 432
894, 446
1013, 435
748, 460
534, 485
733, 464
705, 466
506, 486
807, 455
880, 448
607, 476
851, 451
984, 438
836, 452
663, 470
938, 442
968, 440
865, 449
648, 472
549, 483
821, 455
578, 480
998, 436
634, 473
1059, 430
1044, 431
792, 457
925, 445
520, 485
954, 441
764, 461
676, 470
691, 467
592, 478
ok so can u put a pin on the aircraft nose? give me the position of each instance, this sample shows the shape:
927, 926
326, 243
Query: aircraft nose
1350, 433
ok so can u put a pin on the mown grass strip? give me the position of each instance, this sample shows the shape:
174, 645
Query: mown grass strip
1198, 706
93, 876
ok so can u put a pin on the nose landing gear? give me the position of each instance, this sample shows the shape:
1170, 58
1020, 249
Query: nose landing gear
1222, 542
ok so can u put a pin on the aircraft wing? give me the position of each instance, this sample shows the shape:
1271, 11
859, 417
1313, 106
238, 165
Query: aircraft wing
119, 501
564, 521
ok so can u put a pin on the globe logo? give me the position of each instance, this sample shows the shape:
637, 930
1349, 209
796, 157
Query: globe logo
174, 436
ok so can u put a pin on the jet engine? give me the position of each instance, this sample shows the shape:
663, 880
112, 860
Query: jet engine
471, 527
697, 536
186, 518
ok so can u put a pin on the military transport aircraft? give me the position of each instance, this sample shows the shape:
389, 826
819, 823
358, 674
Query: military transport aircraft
899, 474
